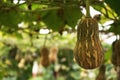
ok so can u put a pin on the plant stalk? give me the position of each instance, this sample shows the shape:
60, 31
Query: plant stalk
88, 8
45, 39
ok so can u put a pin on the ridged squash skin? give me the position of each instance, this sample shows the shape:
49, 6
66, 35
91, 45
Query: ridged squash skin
88, 51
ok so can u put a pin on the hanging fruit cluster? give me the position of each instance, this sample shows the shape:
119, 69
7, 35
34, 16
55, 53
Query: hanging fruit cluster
88, 51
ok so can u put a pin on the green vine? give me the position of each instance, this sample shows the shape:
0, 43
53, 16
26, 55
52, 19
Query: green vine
45, 39
88, 8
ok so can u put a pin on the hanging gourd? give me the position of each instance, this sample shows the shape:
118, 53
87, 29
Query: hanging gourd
88, 51
115, 59
45, 57
101, 75
53, 54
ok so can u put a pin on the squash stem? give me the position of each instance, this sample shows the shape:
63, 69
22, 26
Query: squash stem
88, 8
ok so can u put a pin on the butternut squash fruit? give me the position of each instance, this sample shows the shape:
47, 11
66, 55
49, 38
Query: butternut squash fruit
88, 51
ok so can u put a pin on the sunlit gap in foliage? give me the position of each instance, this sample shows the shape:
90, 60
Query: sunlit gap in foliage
16, 1
44, 31
64, 33
93, 12
23, 25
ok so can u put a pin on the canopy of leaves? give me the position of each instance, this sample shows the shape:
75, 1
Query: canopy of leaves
21, 21
54, 14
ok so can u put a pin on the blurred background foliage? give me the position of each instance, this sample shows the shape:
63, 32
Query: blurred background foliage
22, 38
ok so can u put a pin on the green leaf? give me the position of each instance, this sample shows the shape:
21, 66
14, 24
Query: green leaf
52, 20
28, 17
76, 75
115, 27
72, 15
98, 7
108, 54
10, 18
115, 5
18, 35
57, 19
